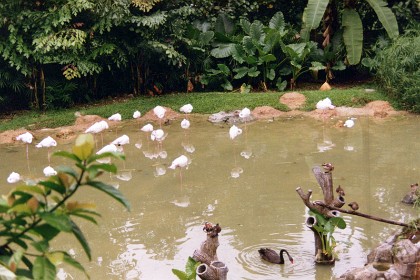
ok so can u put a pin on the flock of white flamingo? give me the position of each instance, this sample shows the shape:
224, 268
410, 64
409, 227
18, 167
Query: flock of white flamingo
157, 135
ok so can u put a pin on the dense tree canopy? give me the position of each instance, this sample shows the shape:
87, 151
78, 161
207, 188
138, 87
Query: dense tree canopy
60, 52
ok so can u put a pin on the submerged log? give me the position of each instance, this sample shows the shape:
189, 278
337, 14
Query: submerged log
211, 268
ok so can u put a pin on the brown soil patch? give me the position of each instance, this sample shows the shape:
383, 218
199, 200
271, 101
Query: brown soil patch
293, 100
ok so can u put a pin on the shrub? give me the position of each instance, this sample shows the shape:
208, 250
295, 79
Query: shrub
32, 216
398, 73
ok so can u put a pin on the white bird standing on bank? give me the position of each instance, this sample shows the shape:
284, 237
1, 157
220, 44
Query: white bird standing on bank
115, 117
349, 123
13, 178
185, 124
159, 111
136, 115
27, 139
325, 104
234, 131
49, 171
186, 109
245, 113
47, 143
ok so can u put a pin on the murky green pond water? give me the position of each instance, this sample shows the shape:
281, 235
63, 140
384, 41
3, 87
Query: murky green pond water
247, 185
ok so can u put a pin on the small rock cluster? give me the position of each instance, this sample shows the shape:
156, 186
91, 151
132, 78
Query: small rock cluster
397, 258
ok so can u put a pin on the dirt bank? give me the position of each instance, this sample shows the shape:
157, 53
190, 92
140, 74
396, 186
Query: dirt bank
294, 100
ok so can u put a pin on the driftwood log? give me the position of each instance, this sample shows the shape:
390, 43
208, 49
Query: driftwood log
210, 268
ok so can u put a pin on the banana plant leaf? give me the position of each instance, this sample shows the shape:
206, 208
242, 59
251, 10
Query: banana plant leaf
386, 17
352, 35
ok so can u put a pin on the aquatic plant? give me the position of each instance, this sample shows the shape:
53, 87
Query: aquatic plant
190, 270
32, 216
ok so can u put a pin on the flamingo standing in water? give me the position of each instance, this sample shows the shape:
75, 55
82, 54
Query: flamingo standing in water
47, 142
180, 162
121, 141
324, 104
234, 132
98, 127
185, 124
14, 177
26, 138
186, 109
116, 118
49, 171
107, 149
136, 115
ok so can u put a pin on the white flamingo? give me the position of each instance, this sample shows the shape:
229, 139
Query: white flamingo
245, 113
349, 123
98, 127
116, 118
27, 139
185, 124
14, 177
121, 141
180, 162
47, 142
186, 109
325, 104
136, 115
49, 171
157, 135
234, 131
159, 111
108, 148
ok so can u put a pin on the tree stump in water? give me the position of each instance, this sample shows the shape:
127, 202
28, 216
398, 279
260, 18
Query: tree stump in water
324, 178
210, 268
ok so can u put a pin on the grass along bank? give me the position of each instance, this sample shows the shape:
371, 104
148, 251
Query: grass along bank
204, 103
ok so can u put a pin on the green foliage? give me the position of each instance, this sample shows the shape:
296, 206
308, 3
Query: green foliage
32, 216
398, 73
190, 270
350, 22
325, 228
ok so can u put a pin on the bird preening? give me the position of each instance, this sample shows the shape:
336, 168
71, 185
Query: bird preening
211, 230
272, 256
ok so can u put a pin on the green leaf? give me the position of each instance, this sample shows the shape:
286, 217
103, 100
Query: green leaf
268, 58
47, 231
67, 155
206, 37
277, 22
59, 221
41, 246
246, 25
43, 269
223, 24
82, 240
386, 17
70, 261
352, 35
271, 74
105, 167
313, 14
241, 72
224, 69
68, 170
256, 31
53, 186
338, 222
222, 50
253, 72
180, 274
110, 190
227, 85
190, 268
281, 85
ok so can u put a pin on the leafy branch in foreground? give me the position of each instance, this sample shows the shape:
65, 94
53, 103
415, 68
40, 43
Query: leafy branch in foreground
32, 216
